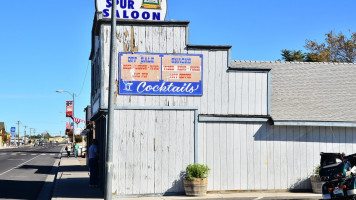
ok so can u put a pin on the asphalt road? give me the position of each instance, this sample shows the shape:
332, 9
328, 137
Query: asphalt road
24, 170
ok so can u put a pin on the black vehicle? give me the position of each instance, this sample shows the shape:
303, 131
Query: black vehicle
339, 173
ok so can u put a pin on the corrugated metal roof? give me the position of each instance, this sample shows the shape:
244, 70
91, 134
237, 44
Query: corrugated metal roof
310, 91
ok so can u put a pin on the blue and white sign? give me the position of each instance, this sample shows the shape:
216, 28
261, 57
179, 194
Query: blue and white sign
150, 10
13, 130
161, 74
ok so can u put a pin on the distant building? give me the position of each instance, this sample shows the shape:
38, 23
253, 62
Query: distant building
2, 133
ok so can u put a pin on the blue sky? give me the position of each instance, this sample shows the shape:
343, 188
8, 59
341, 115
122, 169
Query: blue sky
45, 45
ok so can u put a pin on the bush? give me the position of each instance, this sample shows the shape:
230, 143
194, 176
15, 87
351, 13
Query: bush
197, 171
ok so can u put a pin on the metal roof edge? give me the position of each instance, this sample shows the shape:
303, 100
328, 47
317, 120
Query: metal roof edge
314, 123
284, 62
209, 47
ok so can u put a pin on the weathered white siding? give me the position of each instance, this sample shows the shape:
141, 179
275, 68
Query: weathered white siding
259, 156
224, 92
151, 149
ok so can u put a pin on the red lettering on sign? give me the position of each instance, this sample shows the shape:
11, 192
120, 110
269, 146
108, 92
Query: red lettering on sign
182, 68
137, 75
173, 76
185, 76
126, 66
154, 67
169, 68
141, 67
144, 75
195, 68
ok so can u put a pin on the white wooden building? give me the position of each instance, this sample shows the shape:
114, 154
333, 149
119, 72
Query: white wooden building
251, 126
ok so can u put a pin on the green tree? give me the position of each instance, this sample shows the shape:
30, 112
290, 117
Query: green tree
292, 56
336, 48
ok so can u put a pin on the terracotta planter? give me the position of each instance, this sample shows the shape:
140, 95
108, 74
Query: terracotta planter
316, 184
196, 187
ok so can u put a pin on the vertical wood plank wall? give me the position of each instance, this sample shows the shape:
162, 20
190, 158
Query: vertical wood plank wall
224, 92
255, 156
151, 149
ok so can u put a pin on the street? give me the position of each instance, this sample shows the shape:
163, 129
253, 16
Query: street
24, 170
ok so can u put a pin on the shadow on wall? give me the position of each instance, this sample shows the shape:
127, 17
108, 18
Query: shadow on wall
177, 187
267, 132
302, 185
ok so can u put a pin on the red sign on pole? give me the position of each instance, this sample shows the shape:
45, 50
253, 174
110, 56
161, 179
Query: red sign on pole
69, 108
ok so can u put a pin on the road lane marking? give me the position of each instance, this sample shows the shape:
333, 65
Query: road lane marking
16, 159
33, 154
43, 154
23, 154
18, 165
52, 154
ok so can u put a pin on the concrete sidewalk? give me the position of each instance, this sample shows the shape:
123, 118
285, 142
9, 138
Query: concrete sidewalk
72, 182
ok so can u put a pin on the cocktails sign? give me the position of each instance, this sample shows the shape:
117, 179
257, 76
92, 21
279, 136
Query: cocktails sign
150, 10
161, 74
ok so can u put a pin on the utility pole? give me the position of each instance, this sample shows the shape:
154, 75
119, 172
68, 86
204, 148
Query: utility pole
24, 142
18, 133
112, 87
30, 135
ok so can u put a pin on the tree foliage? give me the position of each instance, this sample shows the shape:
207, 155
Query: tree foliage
336, 48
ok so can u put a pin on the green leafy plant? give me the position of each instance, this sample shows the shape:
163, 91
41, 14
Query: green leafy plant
197, 171
316, 170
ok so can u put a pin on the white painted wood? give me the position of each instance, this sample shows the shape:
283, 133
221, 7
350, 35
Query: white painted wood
264, 91
258, 94
218, 83
296, 161
232, 93
158, 151
224, 84
263, 176
303, 157
211, 83
231, 169
251, 161
210, 154
244, 156
216, 148
245, 94
137, 132
223, 157
122, 152
257, 137
150, 152
251, 93
180, 147
204, 99
270, 163
144, 154
290, 158
349, 139
172, 134
284, 157
239, 101
275, 130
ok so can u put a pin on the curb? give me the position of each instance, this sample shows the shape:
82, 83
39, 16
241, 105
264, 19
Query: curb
48, 186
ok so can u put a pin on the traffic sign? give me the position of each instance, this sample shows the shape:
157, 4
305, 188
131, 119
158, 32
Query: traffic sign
13, 129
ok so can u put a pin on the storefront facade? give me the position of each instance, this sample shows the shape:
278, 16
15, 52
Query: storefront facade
230, 127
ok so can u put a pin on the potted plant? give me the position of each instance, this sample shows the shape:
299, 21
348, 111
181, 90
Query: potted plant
195, 181
315, 181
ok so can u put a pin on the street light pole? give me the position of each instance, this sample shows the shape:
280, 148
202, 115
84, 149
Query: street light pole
73, 95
